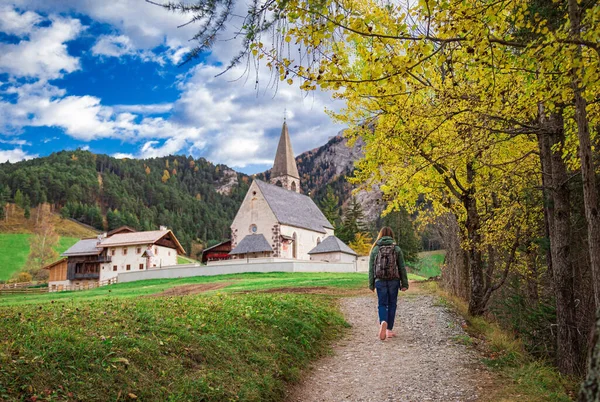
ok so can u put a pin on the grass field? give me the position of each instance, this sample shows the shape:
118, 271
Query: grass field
15, 249
232, 283
429, 264
195, 348
186, 260
112, 343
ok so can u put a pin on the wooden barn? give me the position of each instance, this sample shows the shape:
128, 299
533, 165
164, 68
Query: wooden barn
217, 252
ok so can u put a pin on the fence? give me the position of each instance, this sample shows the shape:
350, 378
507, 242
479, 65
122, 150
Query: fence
22, 290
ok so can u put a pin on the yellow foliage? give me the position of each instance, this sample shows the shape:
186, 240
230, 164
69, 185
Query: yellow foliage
362, 243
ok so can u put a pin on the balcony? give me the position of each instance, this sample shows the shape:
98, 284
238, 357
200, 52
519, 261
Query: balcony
94, 275
104, 258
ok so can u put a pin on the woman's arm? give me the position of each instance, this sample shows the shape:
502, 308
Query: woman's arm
402, 269
371, 267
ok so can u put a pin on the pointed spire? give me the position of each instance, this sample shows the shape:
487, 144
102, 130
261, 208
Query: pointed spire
285, 164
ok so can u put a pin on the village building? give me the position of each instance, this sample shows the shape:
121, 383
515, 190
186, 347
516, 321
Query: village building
332, 249
218, 252
98, 261
275, 219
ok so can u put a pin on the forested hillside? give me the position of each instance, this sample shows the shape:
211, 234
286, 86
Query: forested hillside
177, 191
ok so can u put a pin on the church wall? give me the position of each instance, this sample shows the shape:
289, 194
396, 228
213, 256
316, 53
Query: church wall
333, 257
306, 240
255, 211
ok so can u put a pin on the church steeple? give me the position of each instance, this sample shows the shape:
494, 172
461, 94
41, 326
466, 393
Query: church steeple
285, 172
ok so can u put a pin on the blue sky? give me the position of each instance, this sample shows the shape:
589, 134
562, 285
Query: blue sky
103, 76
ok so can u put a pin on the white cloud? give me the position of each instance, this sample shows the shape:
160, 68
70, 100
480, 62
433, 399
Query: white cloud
13, 22
15, 142
44, 55
15, 155
113, 46
120, 155
158, 108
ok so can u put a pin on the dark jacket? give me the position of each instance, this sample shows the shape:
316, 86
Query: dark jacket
386, 241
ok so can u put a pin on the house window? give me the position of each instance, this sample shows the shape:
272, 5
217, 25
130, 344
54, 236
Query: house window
141, 266
169, 253
114, 267
139, 250
155, 250
124, 250
112, 251
128, 267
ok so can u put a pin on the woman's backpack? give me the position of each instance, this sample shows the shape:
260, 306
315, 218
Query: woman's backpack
386, 265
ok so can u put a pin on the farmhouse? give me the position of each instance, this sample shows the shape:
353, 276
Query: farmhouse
98, 261
275, 220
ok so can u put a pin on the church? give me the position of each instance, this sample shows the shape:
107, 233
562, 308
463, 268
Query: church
275, 219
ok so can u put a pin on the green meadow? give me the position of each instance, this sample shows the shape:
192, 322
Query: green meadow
15, 249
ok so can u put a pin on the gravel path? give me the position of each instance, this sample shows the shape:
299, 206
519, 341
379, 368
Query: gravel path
425, 362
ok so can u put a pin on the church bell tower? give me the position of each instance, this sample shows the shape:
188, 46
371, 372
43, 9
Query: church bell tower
285, 172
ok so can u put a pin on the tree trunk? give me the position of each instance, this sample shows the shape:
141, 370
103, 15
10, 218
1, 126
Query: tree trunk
560, 235
475, 258
590, 389
590, 190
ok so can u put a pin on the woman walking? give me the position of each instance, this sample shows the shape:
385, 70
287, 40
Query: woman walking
387, 274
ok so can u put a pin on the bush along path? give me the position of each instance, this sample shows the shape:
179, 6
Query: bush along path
430, 359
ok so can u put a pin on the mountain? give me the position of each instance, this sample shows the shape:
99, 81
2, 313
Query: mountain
193, 197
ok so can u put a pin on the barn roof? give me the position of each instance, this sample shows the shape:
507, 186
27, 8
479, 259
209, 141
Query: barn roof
332, 244
253, 243
294, 209
83, 247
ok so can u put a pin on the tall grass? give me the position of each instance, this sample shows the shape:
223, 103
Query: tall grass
528, 379
429, 264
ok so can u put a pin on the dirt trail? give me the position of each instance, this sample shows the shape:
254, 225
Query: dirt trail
427, 361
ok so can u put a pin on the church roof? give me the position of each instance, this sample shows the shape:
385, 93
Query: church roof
332, 244
285, 164
253, 243
294, 209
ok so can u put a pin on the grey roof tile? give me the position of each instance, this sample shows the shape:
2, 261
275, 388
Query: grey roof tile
253, 243
294, 209
83, 247
332, 244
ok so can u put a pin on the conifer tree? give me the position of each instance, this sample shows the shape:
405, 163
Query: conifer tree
330, 207
353, 222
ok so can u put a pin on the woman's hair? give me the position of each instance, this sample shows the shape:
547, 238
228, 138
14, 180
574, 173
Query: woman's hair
385, 231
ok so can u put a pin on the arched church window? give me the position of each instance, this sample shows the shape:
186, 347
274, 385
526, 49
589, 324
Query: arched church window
318, 241
278, 184
293, 186
295, 246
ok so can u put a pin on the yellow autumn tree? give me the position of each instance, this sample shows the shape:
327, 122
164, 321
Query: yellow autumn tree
362, 243
166, 176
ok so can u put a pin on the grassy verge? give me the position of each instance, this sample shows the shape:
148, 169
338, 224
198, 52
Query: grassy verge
526, 379
185, 260
429, 264
208, 348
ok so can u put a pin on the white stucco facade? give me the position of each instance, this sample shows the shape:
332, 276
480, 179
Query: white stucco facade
130, 258
305, 241
334, 256
254, 217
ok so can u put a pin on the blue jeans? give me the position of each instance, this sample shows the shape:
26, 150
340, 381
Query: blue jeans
387, 293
